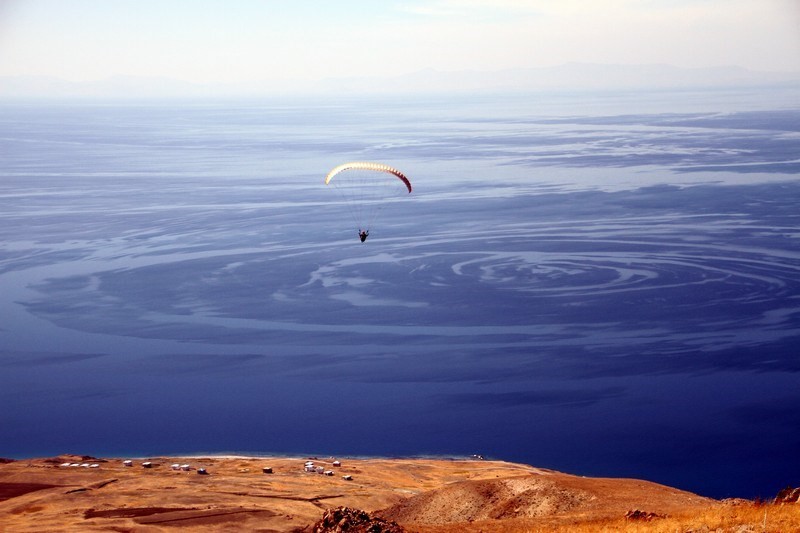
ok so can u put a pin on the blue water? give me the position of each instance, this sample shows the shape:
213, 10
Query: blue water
603, 286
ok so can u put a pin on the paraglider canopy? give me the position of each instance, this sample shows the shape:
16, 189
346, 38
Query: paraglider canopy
366, 188
365, 165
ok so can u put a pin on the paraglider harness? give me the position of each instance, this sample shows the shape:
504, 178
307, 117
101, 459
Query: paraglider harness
363, 234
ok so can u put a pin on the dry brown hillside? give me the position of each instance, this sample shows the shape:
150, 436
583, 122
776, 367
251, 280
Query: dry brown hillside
540, 495
427, 495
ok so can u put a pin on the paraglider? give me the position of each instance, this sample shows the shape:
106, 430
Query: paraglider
365, 188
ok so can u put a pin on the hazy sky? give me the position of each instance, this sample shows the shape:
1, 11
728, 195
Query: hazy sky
244, 40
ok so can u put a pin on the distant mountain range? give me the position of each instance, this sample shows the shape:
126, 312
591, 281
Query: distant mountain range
570, 76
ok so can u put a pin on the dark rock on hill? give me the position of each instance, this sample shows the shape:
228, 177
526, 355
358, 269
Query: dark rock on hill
345, 519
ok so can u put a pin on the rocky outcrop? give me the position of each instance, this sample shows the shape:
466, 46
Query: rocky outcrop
347, 520
642, 516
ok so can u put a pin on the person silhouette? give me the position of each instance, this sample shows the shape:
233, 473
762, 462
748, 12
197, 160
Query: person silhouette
363, 234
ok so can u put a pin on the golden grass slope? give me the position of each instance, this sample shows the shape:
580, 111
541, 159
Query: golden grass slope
426, 495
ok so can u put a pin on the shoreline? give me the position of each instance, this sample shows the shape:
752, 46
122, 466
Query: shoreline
264, 455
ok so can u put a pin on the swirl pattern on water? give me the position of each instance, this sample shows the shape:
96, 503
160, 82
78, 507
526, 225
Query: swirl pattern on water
661, 283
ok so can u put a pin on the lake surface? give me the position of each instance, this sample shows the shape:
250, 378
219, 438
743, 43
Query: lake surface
604, 285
